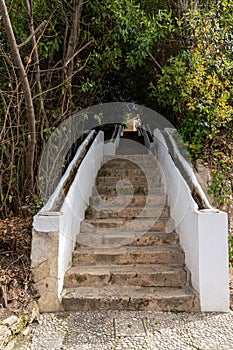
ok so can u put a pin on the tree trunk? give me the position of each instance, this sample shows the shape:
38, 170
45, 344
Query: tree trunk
41, 111
70, 52
188, 4
30, 152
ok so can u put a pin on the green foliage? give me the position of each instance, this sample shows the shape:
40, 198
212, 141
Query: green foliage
36, 203
123, 32
220, 188
119, 43
197, 85
230, 241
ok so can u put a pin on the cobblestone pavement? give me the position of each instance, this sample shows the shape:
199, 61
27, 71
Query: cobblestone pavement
113, 330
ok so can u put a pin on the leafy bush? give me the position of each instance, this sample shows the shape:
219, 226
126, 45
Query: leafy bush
198, 85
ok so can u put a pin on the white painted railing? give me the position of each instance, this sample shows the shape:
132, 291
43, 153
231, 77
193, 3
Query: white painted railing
203, 234
143, 131
54, 233
190, 176
111, 146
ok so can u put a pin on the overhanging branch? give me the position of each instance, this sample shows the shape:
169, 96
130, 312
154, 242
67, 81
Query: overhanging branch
42, 25
155, 61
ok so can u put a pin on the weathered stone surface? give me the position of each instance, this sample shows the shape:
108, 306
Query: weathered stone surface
118, 239
135, 180
158, 198
138, 224
128, 172
132, 157
5, 335
13, 327
138, 275
44, 258
130, 212
129, 298
125, 189
130, 164
168, 254
10, 320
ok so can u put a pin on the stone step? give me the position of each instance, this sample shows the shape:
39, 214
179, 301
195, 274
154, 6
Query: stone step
106, 171
119, 239
130, 164
127, 255
132, 157
135, 275
171, 255
134, 180
107, 201
130, 298
124, 189
125, 225
128, 212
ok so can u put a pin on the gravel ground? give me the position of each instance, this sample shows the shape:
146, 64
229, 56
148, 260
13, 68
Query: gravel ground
112, 330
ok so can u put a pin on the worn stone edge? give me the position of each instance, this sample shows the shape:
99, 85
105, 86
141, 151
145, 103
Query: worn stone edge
13, 328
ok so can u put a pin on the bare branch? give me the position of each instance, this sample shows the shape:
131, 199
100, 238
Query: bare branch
77, 52
30, 153
44, 23
65, 81
155, 61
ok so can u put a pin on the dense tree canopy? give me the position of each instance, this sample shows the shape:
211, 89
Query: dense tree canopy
173, 56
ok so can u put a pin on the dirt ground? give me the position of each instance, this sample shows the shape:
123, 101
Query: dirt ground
16, 283
16, 287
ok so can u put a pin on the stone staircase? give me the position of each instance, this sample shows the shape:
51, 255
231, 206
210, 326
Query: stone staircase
128, 255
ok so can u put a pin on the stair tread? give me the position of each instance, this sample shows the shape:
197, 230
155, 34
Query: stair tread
124, 219
136, 177
128, 224
127, 182
130, 185
115, 207
152, 195
120, 297
129, 213
123, 255
109, 239
129, 249
122, 269
129, 172
123, 190
110, 233
137, 200
130, 156
126, 292
125, 179
151, 165
147, 168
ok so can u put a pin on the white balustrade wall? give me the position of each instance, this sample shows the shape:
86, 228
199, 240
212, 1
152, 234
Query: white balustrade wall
75, 204
64, 224
203, 235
